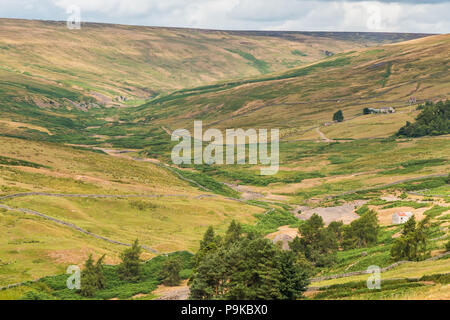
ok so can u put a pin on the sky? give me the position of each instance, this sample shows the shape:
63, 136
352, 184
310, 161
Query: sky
296, 15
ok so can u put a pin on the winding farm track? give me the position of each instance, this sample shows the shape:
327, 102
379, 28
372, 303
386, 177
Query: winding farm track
323, 136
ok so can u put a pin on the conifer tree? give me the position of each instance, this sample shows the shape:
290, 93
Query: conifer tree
234, 232
170, 272
338, 116
92, 277
412, 244
88, 278
130, 268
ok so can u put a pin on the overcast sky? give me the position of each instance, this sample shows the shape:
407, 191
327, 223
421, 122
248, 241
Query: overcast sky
431, 16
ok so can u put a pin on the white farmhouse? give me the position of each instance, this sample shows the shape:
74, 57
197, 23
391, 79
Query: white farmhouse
401, 217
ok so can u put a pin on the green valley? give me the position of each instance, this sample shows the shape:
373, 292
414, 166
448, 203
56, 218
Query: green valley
86, 119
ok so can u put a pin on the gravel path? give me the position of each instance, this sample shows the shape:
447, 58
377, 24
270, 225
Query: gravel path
323, 136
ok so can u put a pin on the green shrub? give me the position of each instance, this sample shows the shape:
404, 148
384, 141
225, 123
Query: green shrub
433, 120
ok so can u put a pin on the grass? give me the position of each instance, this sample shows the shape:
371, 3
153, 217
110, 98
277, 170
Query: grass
15, 162
32, 247
163, 224
436, 211
411, 204
408, 270
271, 221
359, 290
209, 183
261, 65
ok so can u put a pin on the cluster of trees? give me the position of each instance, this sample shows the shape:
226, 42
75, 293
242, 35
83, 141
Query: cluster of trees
338, 116
412, 244
362, 232
93, 278
246, 266
433, 120
319, 244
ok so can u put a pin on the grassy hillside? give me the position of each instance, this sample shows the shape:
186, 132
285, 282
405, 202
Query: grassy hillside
51, 76
141, 62
123, 200
299, 99
358, 153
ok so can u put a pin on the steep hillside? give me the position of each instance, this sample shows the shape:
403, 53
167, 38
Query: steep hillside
303, 98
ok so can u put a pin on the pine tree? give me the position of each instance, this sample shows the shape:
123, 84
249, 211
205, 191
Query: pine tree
99, 271
362, 232
92, 277
170, 272
233, 233
210, 279
409, 226
252, 268
336, 228
338, 116
412, 244
130, 268
88, 279
208, 244
294, 277
318, 244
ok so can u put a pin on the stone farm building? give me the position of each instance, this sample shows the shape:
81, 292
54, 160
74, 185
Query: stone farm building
401, 217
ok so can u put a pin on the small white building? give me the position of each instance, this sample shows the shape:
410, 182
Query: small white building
401, 217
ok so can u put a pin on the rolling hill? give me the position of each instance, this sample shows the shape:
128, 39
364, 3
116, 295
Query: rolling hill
305, 97
85, 123
51, 77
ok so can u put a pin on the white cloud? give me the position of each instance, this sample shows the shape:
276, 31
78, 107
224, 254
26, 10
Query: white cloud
351, 15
